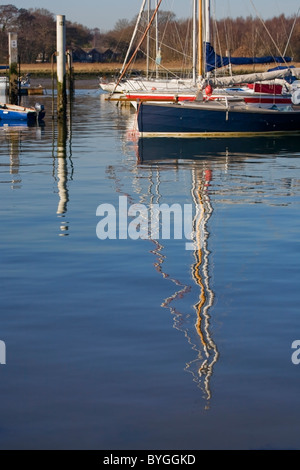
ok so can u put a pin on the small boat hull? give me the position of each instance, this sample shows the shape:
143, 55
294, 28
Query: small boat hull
10, 112
32, 90
215, 119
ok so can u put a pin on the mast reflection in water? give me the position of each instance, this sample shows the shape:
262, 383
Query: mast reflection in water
197, 156
198, 333
200, 272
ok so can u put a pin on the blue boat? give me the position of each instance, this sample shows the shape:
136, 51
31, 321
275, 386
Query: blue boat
10, 112
215, 119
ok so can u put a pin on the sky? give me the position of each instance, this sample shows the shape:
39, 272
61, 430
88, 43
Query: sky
104, 14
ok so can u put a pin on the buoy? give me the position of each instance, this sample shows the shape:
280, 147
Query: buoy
208, 90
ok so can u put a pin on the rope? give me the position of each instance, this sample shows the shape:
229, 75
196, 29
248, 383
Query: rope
139, 44
268, 32
290, 37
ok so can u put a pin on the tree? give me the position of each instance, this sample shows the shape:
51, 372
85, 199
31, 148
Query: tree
36, 29
78, 35
35, 23
8, 20
8, 17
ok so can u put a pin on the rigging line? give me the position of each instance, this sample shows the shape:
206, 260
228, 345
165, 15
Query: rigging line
167, 46
185, 56
227, 26
188, 47
227, 37
133, 35
218, 37
139, 45
170, 72
165, 29
290, 36
268, 32
175, 25
180, 35
259, 34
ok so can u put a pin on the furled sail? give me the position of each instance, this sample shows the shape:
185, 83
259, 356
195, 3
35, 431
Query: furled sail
250, 78
215, 61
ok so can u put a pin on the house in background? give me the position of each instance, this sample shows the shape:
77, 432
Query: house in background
78, 55
94, 55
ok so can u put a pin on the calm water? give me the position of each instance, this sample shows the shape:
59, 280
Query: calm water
124, 344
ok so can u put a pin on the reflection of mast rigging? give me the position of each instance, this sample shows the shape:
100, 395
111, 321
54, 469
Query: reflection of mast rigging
155, 199
198, 333
200, 273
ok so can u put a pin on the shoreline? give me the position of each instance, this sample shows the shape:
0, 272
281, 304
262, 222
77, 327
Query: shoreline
96, 70
87, 75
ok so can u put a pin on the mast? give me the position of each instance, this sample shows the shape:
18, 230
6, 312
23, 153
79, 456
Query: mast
204, 33
207, 21
207, 29
194, 41
200, 38
156, 41
148, 41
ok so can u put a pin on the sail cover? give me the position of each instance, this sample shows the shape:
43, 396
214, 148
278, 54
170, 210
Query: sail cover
215, 61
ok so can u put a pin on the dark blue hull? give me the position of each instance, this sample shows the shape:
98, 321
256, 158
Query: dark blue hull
193, 120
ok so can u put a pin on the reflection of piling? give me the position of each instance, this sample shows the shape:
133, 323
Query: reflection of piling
62, 171
61, 67
14, 152
13, 68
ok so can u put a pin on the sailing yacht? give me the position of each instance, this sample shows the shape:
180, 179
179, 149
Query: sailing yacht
253, 92
228, 112
185, 89
136, 88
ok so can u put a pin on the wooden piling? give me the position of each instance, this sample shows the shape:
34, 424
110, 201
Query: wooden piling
61, 67
70, 73
13, 68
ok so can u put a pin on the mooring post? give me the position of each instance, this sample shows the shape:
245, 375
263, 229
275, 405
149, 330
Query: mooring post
70, 72
61, 67
13, 68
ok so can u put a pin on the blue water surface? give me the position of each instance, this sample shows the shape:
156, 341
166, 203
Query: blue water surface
142, 344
